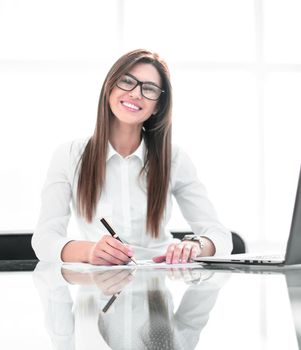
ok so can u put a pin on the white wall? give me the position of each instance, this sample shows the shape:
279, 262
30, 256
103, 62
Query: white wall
236, 73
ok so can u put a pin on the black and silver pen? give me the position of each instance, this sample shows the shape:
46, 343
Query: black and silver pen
115, 235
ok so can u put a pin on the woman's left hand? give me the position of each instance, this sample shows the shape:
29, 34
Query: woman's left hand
180, 253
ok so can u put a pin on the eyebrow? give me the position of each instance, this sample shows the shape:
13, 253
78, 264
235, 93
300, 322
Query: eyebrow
144, 82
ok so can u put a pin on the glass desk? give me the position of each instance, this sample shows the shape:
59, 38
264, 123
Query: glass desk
55, 308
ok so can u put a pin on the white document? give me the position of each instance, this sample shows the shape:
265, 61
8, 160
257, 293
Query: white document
141, 264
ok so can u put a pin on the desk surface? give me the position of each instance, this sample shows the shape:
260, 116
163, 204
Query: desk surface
155, 309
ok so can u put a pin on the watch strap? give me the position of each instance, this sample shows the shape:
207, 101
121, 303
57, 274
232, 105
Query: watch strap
194, 238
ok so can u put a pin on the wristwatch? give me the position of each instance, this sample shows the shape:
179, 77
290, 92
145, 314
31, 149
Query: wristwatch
194, 238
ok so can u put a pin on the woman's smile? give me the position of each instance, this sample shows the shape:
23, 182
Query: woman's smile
131, 106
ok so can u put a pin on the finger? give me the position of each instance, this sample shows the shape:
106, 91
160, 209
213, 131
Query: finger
100, 257
186, 274
170, 274
177, 254
176, 273
103, 276
159, 259
195, 251
110, 282
186, 251
170, 253
117, 285
97, 260
113, 242
113, 256
107, 249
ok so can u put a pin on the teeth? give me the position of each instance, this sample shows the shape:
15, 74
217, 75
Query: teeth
130, 105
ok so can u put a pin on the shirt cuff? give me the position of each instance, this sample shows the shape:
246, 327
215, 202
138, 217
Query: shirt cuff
222, 242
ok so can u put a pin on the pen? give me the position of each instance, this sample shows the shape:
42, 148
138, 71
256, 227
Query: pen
110, 302
115, 235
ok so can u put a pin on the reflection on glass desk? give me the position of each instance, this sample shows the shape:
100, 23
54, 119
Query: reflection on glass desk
193, 308
18, 265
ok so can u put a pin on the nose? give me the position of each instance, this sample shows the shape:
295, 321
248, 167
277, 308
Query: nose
136, 93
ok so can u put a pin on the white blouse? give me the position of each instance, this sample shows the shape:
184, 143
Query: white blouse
123, 204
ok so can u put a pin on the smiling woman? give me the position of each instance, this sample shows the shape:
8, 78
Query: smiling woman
236, 91
127, 172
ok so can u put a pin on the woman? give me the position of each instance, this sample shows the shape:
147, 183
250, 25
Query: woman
127, 173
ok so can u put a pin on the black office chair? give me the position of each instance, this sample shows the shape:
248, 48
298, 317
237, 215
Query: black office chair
16, 253
239, 245
17, 247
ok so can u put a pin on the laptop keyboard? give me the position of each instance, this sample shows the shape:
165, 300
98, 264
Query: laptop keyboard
268, 257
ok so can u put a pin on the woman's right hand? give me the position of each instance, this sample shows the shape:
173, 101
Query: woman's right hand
109, 251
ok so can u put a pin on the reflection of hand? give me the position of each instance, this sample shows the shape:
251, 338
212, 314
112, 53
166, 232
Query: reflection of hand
189, 276
109, 251
180, 253
76, 277
113, 281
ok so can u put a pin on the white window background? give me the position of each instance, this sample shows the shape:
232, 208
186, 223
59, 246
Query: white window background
236, 74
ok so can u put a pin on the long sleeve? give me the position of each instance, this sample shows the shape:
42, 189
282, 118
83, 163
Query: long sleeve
195, 205
57, 303
194, 310
50, 234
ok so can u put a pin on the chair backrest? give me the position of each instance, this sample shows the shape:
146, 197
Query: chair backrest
16, 246
239, 245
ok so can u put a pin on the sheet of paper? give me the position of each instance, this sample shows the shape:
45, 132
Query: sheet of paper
82, 267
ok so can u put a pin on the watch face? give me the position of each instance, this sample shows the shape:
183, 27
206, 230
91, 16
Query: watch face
189, 237
193, 238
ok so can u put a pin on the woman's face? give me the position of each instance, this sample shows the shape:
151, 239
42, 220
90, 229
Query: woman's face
131, 107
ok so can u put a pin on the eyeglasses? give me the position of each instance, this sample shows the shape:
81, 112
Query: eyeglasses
149, 90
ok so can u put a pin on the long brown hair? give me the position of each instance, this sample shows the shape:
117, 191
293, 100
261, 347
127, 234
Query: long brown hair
157, 137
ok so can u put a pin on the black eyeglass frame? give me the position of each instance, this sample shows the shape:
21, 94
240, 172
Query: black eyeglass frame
141, 83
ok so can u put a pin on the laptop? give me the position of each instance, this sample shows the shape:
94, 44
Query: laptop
293, 247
